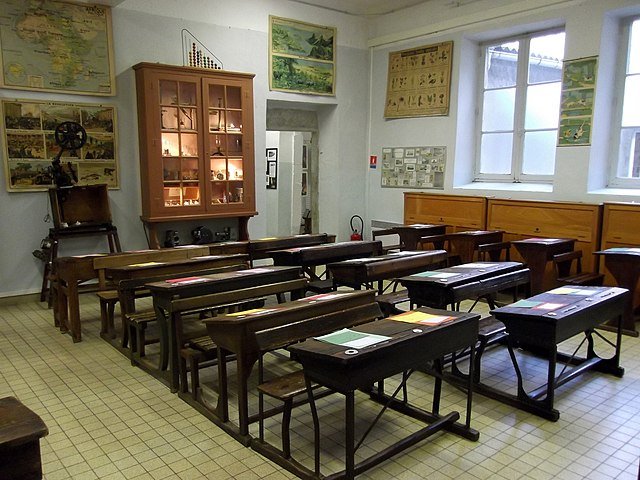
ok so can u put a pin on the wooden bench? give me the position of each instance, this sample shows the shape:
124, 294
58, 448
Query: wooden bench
491, 331
566, 275
397, 245
389, 302
134, 323
285, 388
191, 355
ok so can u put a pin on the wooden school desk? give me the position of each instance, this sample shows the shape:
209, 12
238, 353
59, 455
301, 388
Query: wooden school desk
359, 272
409, 346
544, 321
536, 252
624, 265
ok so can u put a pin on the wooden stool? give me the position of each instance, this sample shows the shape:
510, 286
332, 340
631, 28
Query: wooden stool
20, 433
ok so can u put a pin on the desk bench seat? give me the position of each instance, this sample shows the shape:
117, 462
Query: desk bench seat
321, 286
108, 300
389, 302
490, 331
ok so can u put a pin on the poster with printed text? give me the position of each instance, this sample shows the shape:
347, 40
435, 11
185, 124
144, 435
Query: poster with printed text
413, 167
419, 81
29, 144
576, 101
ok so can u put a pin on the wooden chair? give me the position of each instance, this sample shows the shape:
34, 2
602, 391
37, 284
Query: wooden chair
396, 246
440, 242
565, 275
286, 387
493, 252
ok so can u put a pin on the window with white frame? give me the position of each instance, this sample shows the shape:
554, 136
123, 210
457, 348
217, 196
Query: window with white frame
626, 168
519, 107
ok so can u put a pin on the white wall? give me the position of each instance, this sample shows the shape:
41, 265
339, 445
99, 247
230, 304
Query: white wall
591, 29
149, 31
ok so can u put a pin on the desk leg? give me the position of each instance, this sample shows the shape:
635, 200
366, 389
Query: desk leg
74, 311
223, 398
350, 438
245, 363
537, 265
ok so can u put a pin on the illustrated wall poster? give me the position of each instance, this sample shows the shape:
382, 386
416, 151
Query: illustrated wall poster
272, 168
419, 81
413, 167
301, 57
30, 146
56, 46
576, 101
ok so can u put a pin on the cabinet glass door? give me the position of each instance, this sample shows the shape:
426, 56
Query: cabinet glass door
226, 159
180, 146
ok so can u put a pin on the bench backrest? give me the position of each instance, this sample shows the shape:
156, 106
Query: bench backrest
139, 283
283, 335
180, 305
100, 264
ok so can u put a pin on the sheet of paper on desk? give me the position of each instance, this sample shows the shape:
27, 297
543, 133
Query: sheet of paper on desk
525, 304
253, 311
436, 274
186, 280
475, 265
623, 250
549, 306
353, 339
322, 296
252, 271
422, 318
91, 255
571, 291
146, 264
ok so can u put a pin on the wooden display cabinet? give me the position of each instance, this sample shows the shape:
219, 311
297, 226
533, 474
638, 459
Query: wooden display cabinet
196, 145
458, 212
620, 228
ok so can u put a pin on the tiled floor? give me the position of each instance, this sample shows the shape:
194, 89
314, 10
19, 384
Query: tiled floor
110, 420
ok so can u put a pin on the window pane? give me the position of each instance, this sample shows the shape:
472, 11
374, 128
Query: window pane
497, 110
545, 58
501, 65
633, 65
543, 106
631, 109
629, 159
495, 153
539, 153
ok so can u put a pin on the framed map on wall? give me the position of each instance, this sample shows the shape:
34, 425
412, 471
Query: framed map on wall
56, 46
30, 146
414, 167
419, 81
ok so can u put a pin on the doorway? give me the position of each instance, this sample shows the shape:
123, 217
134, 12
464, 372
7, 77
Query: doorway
291, 172
291, 183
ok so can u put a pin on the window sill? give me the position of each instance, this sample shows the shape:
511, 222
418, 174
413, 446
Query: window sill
508, 187
630, 192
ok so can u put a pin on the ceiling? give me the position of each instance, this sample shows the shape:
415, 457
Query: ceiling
363, 7
353, 7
